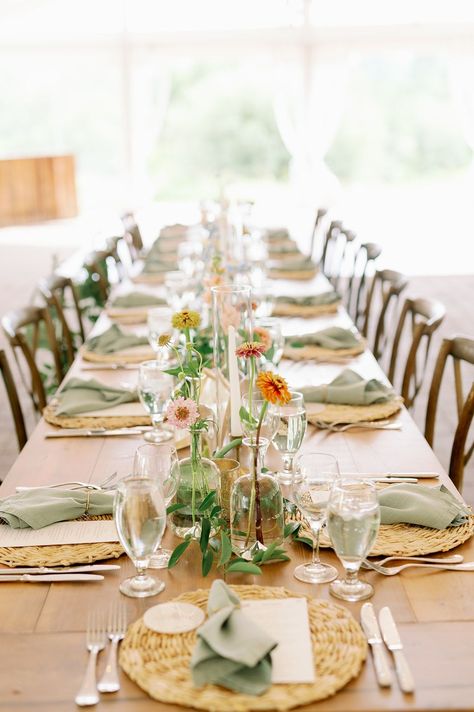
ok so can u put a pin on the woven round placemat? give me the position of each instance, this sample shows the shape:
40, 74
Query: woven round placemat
405, 539
143, 353
302, 310
103, 421
128, 316
275, 273
149, 278
306, 353
159, 663
61, 555
336, 413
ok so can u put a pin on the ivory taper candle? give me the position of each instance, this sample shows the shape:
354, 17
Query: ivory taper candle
234, 380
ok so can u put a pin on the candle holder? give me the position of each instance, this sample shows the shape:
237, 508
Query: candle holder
232, 325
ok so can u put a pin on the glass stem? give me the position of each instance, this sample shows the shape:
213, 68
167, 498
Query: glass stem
156, 421
351, 577
316, 560
288, 458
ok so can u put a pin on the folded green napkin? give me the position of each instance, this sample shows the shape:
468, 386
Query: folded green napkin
80, 396
38, 508
279, 233
231, 650
332, 338
349, 389
155, 266
329, 297
288, 248
112, 340
425, 506
137, 299
295, 265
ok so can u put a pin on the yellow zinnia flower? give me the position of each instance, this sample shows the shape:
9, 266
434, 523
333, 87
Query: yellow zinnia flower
186, 319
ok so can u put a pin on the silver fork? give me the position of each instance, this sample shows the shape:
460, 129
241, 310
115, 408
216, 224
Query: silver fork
116, 629
74, 484
95, 641
363, 425
393, 570
455, 559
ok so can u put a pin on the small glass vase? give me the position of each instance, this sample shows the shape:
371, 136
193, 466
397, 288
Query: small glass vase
198, 477
256, 505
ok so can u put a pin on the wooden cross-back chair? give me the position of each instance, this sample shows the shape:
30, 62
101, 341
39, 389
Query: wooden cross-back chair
61, 297
24, 329
132, 236
335, 251
14, 401
461, 350
96, 265
386, 285
425, 317
357, 291
321, 213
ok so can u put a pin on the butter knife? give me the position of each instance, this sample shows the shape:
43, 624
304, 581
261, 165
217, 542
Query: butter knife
35, 570
96, 432
51, 578
374, 638
395, 645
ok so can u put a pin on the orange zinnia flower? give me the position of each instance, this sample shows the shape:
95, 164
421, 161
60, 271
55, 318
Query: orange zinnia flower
273, 388
250, 349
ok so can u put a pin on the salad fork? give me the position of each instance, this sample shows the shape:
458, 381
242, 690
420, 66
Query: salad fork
116, 629
95, 642
393, 570
455, 559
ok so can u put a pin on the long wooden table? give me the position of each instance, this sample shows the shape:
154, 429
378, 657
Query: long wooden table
42, 627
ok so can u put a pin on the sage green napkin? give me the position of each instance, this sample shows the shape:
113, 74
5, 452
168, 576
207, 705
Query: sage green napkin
231, 650
137, 299
295, 266
349, 389
425, 506
112, 340
289, 248
335, 337
278, 233
330, 297
81, 396
155, 266
39, 508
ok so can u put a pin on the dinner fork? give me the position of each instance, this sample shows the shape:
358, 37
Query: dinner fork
95, 642
75, 484
393, 570
455, 559
116, 629
363, 425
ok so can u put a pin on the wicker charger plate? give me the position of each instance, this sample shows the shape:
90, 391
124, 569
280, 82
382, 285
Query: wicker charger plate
128, 316
149, 278
406, 539
304, 310
96, 421
143, 353
275, 273
159, 663
336, 413
306, 353
60, 555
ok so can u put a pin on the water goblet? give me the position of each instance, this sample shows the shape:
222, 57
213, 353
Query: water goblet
253, 404
179, 290
159, 323
268, 330
159, 462
140, 518
318, 472
154, 390
353, 522
290, 434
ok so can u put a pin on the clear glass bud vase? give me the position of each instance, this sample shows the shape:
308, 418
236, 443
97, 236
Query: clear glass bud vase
198, 477
256, 505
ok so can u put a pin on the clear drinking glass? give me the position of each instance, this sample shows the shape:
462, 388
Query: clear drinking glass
268, 330
159, 323
159, 462
317, 474
253, 404
140, 518
353, 522
154, 390
180, 290
290, 434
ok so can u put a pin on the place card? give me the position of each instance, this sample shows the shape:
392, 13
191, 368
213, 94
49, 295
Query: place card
74, 532
286, 621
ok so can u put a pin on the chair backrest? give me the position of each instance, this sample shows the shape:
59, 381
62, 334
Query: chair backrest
96, 265
461, 350
13, 400
335, 251
321, 213
425, 317
133, 231
357, 289
27, 331
386, 285
335, 226
60, 295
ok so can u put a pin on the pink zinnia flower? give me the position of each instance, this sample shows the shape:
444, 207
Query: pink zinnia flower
182, 412
251, 349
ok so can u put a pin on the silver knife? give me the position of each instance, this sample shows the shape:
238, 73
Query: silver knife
374, 638
46, 570
51, 578
394, 475
96, 432
112, 367
394, 644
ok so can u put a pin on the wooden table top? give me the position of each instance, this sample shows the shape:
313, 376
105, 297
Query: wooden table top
42, 627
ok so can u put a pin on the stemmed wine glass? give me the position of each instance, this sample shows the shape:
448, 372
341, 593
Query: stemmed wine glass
353, 523
159, 323
154, 390
159, 462
269, 329
290, 434
140, 518
317, 474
